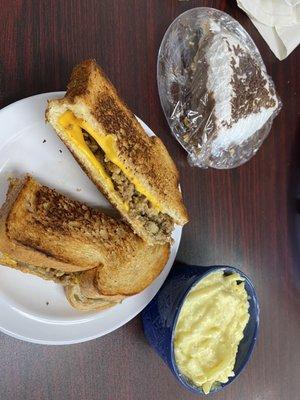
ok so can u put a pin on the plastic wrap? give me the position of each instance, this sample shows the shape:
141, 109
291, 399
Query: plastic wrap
213, 86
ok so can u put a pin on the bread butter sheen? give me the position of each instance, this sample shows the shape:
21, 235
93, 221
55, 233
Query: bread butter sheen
209, 329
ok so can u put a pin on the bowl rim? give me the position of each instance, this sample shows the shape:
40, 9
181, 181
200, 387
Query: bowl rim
182, 379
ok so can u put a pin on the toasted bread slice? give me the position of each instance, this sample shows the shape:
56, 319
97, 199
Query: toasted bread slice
22, 232
45, 233
44, 228
87, 280
104, 287
113, 282
134, 276
83, 294
83, 303
134, 171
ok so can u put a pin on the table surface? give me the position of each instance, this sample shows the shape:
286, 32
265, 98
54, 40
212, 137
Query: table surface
245, 217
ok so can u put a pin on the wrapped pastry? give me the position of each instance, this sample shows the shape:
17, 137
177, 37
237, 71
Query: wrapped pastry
216, 94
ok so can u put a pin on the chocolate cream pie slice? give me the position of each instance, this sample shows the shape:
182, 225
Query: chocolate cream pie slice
241, 93
220, 101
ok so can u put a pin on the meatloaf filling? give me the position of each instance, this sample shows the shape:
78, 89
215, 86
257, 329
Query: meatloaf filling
52, 274
155, 222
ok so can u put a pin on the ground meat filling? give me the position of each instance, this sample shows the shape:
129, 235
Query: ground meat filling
158, 224
61, 277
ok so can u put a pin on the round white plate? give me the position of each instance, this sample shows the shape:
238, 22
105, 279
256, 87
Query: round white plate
32, 309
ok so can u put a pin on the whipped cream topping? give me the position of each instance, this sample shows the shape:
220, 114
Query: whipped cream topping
243, 98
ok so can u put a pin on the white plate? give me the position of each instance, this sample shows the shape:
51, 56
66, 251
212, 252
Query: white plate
32, 309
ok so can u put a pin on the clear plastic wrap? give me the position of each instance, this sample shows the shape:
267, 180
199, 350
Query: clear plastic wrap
213, 86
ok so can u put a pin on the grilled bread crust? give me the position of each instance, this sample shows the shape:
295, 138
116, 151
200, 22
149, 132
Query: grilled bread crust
17, 250
83, 303
40, 228
92, 97
84, 295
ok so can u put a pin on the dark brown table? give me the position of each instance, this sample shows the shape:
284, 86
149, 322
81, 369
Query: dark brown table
245, 217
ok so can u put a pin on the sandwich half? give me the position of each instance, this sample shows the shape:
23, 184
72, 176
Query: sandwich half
107, 285
49, 235
134, 171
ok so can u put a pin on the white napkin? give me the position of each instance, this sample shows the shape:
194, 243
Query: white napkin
278, 21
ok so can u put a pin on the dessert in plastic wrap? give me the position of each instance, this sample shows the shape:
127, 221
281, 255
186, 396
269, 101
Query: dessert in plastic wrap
214, 89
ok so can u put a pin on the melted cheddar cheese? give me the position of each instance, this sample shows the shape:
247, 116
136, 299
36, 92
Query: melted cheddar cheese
209, 329
73, 127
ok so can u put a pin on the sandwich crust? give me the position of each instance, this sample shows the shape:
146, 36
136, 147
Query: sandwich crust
92, 97
14, 251
133, 277
44, 233
81, 302
84, 295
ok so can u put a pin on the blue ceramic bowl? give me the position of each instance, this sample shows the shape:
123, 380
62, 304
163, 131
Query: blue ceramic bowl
160, 318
